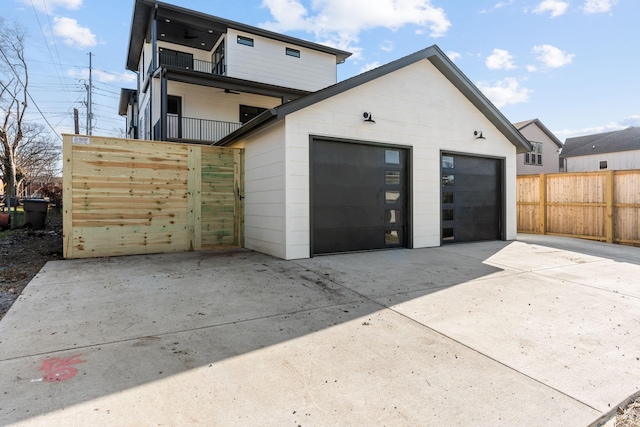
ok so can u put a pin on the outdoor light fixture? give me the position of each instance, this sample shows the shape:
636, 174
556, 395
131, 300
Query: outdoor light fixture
478, 134
368, 117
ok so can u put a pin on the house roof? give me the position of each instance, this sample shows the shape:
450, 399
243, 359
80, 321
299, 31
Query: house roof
197, 30
125, 96
435, 56
609, 142
521, 125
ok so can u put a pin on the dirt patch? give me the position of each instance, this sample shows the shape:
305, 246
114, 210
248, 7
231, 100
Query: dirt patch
630, 416
23, 252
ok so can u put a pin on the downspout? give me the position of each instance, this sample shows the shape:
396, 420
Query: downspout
163, 105
154, 35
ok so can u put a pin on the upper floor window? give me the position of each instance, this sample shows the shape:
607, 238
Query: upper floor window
248, 112
603, 164
245, 41
292, 52
534, 157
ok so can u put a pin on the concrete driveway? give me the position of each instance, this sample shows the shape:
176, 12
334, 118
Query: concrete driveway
540, 331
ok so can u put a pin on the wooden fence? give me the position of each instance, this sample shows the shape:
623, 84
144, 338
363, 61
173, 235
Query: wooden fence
125, 197
601, 206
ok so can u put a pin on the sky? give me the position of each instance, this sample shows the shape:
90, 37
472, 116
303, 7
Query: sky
573, 64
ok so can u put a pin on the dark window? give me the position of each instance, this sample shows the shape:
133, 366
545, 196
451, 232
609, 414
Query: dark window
447, 214
447, 162
247, 113
447, 197
392, 178
392, 157
603, 164
448, 180
292, 52
217, 58
245, 41
447, 234
534, 157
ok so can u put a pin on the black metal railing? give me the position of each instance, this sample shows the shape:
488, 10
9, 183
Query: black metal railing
188, 63
191, 129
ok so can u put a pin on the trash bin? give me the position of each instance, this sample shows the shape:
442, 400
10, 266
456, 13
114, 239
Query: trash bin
35, 212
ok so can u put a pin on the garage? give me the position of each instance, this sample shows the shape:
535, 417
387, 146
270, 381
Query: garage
471, 198
359, 196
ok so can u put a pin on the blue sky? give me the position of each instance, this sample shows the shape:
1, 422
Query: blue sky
574, 64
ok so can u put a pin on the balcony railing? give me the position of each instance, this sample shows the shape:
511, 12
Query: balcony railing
197, 130
188, 63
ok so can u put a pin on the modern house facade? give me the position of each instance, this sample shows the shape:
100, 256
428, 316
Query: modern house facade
410, 154
544, 156
617, 150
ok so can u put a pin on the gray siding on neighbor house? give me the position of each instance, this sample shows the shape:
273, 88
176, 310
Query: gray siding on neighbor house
550, 156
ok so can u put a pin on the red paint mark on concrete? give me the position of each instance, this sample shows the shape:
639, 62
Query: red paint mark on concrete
57, 369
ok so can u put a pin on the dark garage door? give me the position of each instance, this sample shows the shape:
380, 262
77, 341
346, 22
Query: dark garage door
359, 197
471, 198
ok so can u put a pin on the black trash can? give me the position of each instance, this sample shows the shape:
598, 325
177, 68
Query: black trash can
35, 212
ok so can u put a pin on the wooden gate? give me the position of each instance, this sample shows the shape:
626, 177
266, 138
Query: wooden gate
124, 197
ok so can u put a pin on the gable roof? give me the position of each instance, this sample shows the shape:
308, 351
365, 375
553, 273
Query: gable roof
435, 56
521, 125
608, 142
197, 30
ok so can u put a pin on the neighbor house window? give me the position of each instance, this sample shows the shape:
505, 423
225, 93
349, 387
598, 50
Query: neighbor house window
603, 164
534, 157
245, 41
292, 52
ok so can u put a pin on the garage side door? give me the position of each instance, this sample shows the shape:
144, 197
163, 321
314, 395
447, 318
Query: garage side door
359, 197
471, 198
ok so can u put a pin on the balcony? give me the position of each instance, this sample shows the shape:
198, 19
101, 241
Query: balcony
186, 61
188, 129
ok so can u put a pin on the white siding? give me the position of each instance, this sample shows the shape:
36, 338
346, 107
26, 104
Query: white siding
266, 62
550, 156
622, 160
265, 202
213, 103
415, 106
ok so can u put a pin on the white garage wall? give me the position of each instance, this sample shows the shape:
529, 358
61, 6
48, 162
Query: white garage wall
264, 191
621, 160
415, 106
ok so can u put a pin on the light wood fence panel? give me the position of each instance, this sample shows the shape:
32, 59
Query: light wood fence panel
601, 206
125, 197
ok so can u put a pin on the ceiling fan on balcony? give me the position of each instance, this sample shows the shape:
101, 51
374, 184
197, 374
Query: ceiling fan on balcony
188, 36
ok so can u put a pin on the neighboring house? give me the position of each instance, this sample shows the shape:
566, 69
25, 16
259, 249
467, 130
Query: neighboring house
617, 150
544, 156
410, 154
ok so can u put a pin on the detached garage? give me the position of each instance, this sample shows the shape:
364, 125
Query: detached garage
407, 155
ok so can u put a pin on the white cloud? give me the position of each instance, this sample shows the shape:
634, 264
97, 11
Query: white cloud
102, 76
339, 22
387, 46
370, 66
598, 6
505, 92
552, 57
500, 59
72, 33
48, 6
502, 4
556, 7
532, 68
453, 55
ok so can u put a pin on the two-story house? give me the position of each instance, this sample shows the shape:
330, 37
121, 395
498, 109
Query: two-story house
410, 154
201, 77
544, 156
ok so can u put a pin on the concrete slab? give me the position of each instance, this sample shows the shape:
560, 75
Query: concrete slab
495, 333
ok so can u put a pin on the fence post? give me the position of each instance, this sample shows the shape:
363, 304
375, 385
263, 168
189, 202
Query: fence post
609, 209
194, 201
543, 203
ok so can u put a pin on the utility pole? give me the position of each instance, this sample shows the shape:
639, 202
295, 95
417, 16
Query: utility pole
76, 123
89, 102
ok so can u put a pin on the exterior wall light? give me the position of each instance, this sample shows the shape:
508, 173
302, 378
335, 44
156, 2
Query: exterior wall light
368, 117
478, 134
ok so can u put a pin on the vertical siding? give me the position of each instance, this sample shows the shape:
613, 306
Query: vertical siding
266, 62
415, 107
550, 156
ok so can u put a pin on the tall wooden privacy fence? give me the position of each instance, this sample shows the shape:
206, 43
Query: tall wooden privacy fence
601, 206
125, 197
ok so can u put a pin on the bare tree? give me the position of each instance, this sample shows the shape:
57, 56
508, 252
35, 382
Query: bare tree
37, 157
14, 80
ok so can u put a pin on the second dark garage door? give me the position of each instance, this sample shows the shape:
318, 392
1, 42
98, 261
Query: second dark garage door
471, 198
359, 196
